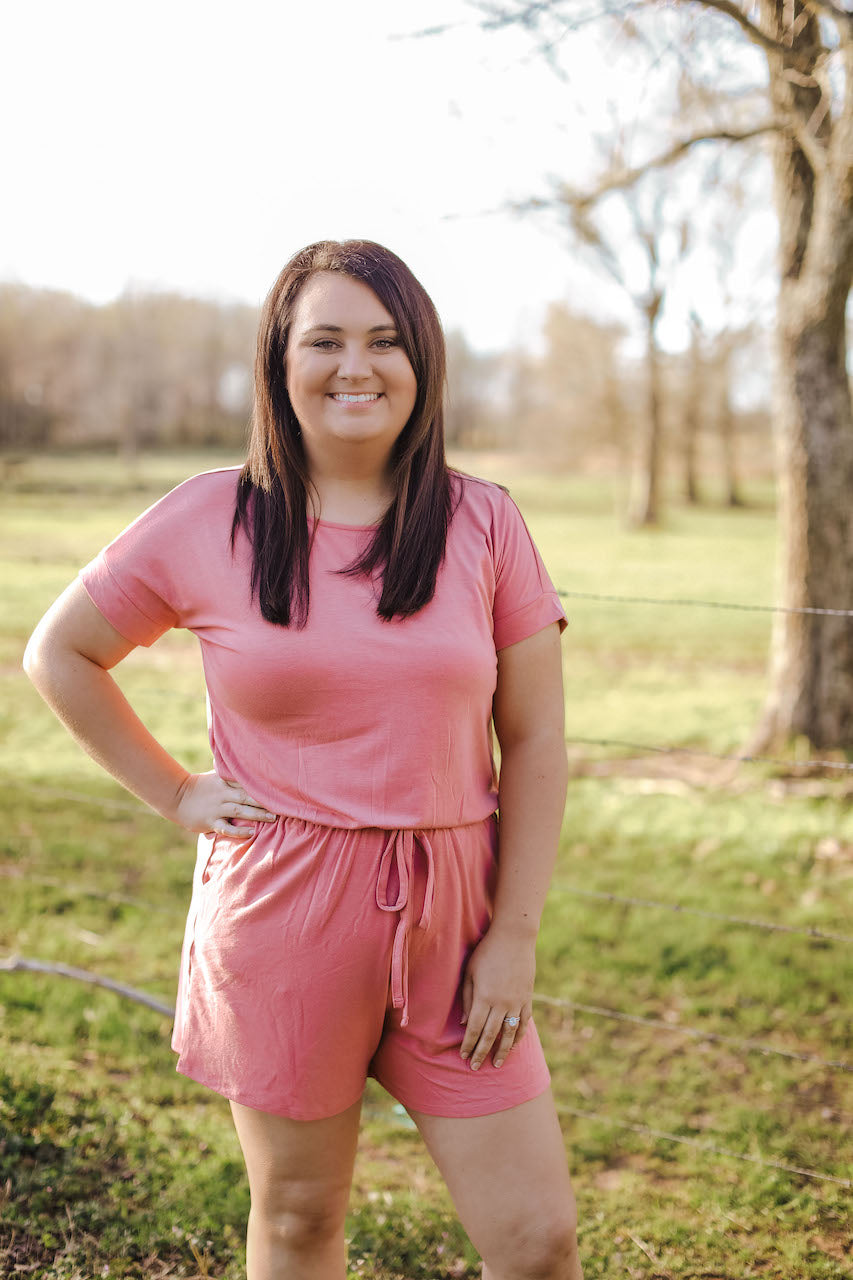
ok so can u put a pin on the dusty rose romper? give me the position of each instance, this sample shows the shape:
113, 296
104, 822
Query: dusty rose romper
329, 945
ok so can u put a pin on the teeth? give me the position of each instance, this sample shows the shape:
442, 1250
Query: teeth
356, 399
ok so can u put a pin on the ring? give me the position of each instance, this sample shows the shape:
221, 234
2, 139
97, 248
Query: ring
511, 1021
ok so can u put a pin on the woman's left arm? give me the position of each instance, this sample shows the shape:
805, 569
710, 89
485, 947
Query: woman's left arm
530, 725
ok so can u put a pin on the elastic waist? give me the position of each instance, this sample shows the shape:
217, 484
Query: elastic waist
416, 831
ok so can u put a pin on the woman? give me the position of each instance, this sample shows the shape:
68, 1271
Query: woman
363, 614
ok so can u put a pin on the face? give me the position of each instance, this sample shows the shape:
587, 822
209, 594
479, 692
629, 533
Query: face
349, 379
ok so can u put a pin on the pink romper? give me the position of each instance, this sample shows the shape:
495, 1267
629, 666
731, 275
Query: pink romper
330, 945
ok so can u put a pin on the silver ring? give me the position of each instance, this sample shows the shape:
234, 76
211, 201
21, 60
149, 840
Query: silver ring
511, 1021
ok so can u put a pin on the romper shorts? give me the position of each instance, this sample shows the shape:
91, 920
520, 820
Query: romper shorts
317, 956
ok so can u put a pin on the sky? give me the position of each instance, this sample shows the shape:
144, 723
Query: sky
195, 146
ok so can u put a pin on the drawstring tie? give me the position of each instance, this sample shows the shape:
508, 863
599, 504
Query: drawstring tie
400, 853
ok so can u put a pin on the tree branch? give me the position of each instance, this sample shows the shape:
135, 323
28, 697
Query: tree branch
628, 177
843, 17
756, 35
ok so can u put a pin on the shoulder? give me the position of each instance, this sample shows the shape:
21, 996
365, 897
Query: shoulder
217, 487
482, 503
196, 510
476, 495
202, 499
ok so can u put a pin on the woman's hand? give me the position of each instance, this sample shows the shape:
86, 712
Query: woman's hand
208, 803
498, 984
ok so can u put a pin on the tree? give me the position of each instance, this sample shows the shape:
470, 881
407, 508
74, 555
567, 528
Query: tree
471, 403
582, 415
647, 295
721, 360
807, 47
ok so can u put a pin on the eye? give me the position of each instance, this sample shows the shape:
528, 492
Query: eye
323, 343
386, 343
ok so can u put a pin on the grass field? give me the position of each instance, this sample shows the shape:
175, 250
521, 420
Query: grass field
113, 1165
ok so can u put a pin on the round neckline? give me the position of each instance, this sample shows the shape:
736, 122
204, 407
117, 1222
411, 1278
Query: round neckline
335, 524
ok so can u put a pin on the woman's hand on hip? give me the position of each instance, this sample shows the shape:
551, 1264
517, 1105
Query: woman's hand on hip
208, 803
497, 995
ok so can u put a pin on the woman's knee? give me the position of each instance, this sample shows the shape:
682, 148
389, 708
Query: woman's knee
544, 1248
302, 1215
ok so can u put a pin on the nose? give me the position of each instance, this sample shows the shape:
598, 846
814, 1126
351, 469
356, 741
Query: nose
354, 363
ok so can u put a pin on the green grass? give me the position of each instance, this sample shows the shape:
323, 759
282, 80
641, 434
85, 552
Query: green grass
114, 1165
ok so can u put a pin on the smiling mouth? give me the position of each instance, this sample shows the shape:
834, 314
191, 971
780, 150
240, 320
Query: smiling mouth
364, 397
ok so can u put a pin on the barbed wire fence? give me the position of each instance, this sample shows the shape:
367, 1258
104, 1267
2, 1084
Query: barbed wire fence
16, 963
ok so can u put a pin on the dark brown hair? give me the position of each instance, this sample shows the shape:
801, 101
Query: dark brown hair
272, 495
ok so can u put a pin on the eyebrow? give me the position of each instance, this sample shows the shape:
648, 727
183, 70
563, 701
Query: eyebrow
336, 328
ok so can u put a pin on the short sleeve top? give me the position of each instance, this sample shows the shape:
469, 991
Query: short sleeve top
352, 721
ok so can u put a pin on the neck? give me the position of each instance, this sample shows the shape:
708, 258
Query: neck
351, 495
356, 483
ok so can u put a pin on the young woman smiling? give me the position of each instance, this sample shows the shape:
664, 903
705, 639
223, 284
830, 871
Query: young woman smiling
367, 890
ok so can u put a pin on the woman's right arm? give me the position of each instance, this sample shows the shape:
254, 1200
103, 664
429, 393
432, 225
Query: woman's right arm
68, 658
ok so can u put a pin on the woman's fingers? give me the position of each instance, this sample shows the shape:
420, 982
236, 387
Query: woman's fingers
229, 823
220, 806
526, 1015
476, 1021
488, 1027
241, 805
510, 1028
467, 1000
222, 827
251, 809
482, 1030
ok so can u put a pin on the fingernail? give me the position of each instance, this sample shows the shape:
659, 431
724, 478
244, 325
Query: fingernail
464, 1018
475, 1066
464, 1057
499, 1062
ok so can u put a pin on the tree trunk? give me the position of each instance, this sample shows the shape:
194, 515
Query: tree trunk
734, 497
726, 429
645, 508
811, 669
690, 420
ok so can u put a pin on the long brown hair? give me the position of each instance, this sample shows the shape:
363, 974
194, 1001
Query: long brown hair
272, 494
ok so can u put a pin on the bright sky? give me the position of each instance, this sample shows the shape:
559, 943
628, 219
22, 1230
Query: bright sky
195, 146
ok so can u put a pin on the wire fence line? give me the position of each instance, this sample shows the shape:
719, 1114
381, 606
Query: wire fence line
697, 1033
702, 1145
672, 750
685, 602
29, 964
707, 604
18, 963
81, 797
679, 908
808, 931
15, 964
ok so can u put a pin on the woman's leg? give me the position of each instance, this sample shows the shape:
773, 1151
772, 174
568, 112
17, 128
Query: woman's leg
300, 1173
509, 1180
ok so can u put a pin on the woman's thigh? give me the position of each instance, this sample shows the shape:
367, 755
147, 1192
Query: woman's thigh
299, 1168
509, 1179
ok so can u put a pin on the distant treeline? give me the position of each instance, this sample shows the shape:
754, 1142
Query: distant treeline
160, 369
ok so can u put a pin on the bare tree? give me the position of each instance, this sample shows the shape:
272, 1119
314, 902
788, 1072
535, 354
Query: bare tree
691, 415
147, 368
721, 360
583, 417
808, 52
647, 234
